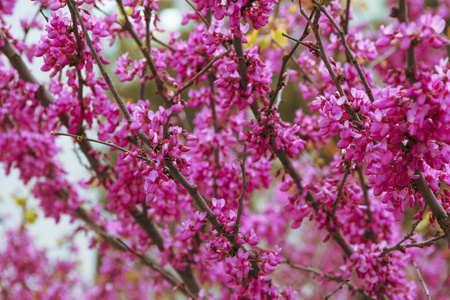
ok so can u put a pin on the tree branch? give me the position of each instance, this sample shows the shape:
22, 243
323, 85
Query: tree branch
402, 247
325, 275
348, 51
201, 72
281, 154
346, 281
241, 198
427, 292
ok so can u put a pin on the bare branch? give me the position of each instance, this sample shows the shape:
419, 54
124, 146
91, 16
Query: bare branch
282, 155
319, 273
346, 281
341, 186
402, 247
198, 13
241, 198
200, 73
427, 292
348, 51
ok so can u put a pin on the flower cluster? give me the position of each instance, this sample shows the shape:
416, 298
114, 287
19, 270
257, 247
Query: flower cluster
255, 11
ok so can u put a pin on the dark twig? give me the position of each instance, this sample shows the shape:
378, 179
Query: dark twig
200, 73
198, 13
427, 292
160, 84
81, 138
348, 51
346, 281
241, 198
347, 16
281, 153
402, 247
323, 56
286, 58
411, 232
369, 231
319, 273
212, 104
341, 186
410, 55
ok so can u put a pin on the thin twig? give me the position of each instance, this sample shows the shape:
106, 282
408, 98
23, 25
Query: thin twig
323, 56
348, 51
212, 104
341, 186
382, 58
369, 231
281, 153
347, 17
286, 58
241, 198
199, 14
402, 247
160, 84
200, 73
83, 138
319, 273
410, 55
338, 289
105, 75
427, 292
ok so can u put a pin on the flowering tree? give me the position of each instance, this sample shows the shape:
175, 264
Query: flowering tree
234, 202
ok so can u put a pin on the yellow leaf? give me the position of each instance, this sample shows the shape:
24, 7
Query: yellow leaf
293, 9
252, 38
30, 216
21, 201
265, 42
277, 35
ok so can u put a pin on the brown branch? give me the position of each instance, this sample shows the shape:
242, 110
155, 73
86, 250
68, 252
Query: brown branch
348, 51
323, 56
83, 138
286, 58
427, 292
347, 16
200, 73
163, 44
402, 247
212, 104
341, 186
198, 13
281, 153
325, 275
410, 55
442, 217
241, 198
369, 231
346, 281
160, 84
